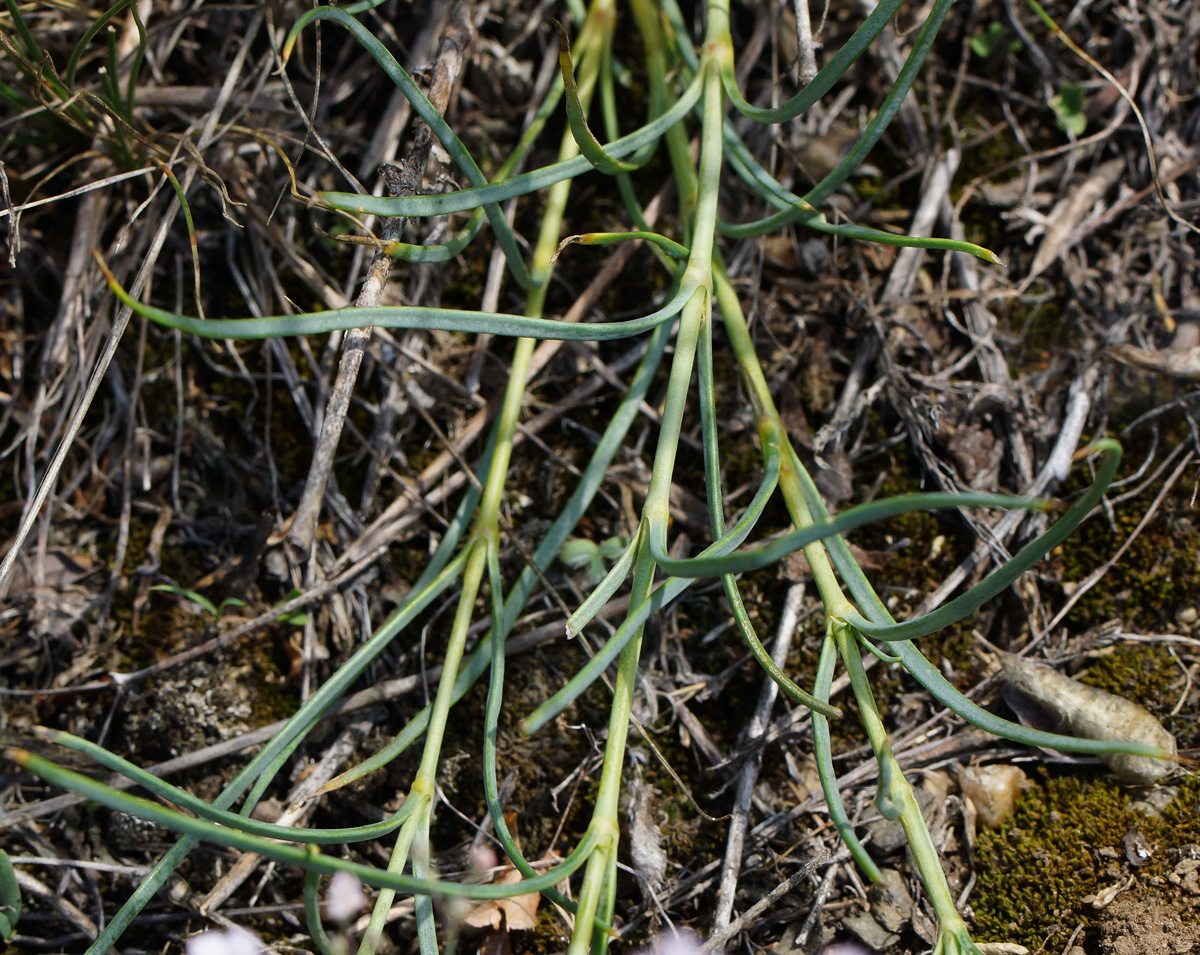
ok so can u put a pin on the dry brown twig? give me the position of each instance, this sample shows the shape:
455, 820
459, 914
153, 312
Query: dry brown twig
401, 181
735, 840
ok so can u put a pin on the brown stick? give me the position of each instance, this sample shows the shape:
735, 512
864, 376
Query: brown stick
402, 180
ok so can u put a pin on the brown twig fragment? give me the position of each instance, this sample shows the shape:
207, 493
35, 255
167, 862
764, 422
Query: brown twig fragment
402, 180
807, 55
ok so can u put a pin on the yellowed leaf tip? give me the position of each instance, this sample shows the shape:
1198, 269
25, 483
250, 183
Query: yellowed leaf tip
18, 756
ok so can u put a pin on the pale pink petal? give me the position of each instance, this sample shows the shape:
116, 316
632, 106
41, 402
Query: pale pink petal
345, 897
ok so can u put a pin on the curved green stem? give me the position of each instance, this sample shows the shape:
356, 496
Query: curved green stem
894, 796
310, 859
206, 810
403, 316
853, 517
823, 754
466, 199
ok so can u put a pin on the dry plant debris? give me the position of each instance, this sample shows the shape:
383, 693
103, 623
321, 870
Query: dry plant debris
132, 456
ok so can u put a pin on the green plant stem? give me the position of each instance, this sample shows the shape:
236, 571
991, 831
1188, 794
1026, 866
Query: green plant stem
696, 314
894, 797
600, 873
485, 539
309, 859
823, 754
895, 793
597, 893
485, 536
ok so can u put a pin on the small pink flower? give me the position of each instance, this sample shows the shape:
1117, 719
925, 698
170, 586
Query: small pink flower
483, 859
235, 941
345, 897
675, 943
849, 946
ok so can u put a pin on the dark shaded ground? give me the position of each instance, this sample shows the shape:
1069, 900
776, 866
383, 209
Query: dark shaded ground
191, 457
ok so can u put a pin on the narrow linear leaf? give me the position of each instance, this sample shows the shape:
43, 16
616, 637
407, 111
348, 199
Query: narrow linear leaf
672, 248
847, 520
588, 144
382, 316
467, 199
1000, 579
205, 810
823, 753
436, 122
310, 860
833, 71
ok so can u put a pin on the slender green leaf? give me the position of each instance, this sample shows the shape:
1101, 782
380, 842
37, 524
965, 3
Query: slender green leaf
823, 754
206, 810
310, 860
793, 541
833, 71
467, 199
382, 316
1000, 579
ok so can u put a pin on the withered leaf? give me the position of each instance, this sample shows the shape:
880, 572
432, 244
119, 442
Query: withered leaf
517, 913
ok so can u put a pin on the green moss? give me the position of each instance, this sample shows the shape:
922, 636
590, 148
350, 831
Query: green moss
1141, 672
1157, 576
1063, 844
1037, 868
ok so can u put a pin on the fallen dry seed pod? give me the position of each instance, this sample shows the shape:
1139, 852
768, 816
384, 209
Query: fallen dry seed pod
1094, 714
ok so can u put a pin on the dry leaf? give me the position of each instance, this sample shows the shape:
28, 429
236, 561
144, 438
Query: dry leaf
516, 914
1094, 714
513, 914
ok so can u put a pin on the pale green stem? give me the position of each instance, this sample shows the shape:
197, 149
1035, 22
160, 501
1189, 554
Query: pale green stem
596, 896
696, 314
424, 784
418, 822
485, 534
770, 424
600, 873
894, 796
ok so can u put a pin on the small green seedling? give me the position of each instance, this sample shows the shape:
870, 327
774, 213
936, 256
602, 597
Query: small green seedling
216, 611
297, 618
581, 552
983, 44
1068, 106
991, 40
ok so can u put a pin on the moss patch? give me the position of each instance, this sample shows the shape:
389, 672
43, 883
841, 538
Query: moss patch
1157, 576
1064, 844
